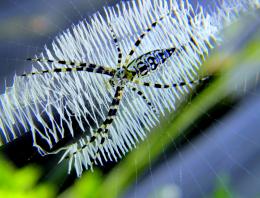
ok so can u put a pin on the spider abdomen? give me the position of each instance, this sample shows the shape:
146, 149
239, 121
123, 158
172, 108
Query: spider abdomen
150, 61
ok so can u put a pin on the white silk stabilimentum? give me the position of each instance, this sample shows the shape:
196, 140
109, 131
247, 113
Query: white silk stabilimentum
47, 104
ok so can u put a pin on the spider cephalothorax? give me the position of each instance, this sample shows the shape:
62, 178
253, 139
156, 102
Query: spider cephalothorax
121, 76
125, 72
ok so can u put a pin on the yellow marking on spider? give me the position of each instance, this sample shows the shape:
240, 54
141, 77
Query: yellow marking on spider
114, 107
111, 117
128, 57
63, 69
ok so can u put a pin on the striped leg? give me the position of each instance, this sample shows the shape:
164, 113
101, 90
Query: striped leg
119, 52
140, 93
100, 136
164, 86
88, 67
61, 62
139, 39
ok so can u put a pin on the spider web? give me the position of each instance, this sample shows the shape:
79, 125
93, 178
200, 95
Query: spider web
228, 145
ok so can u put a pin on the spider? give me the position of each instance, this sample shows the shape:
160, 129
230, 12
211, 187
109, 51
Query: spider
125, 72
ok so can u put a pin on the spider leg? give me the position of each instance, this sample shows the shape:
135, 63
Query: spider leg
141, 36
140, 93
61, 62
164, 86
101, 136
88, 67
119, 51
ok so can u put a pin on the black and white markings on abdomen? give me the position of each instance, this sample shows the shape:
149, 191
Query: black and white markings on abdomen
150, 61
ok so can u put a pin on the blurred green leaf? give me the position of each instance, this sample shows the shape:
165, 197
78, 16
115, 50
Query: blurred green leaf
86, 186
22, 183
222, 188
